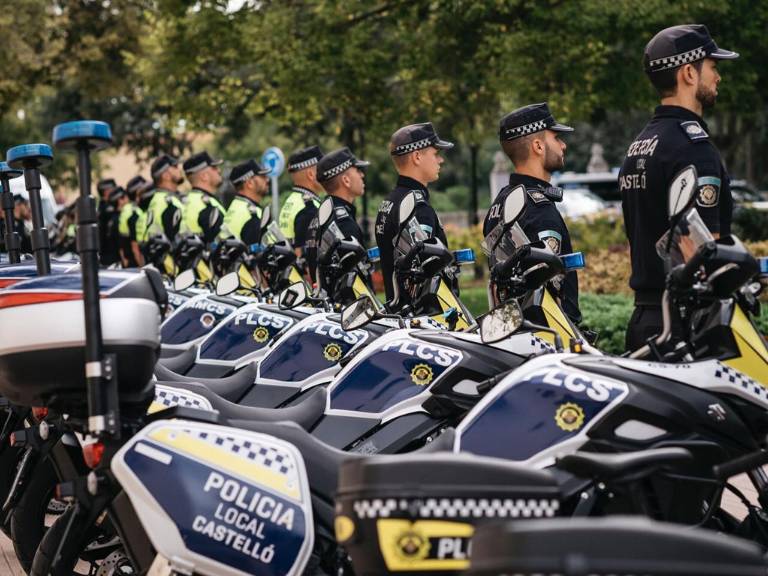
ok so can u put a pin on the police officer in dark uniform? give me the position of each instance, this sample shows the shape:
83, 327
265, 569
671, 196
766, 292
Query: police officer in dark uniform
681, 63
530, 137
108, 240
302, 203
343, 178
203, 212
415, 151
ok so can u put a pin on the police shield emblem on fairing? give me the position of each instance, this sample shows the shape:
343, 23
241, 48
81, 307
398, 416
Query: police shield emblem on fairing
219, 500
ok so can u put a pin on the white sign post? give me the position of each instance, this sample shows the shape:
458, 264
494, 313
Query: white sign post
274, 160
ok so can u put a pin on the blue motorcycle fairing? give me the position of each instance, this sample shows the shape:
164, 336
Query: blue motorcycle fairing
395, 368
176, 300
539, 406
109, 282
194, 319
218, 499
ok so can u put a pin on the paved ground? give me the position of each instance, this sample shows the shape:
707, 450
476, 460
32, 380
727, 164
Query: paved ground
9, 566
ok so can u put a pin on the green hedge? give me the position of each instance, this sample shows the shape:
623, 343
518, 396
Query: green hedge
607, 314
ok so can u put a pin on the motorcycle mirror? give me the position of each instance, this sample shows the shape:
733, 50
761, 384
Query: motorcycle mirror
501, 322
358, 314
325, 211
184, 280
266, 216
293, 296
228, 284
514, 204
407, 208
681, 190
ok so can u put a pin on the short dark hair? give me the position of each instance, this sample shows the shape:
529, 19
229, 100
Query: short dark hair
665, 81
333, 184
519, 149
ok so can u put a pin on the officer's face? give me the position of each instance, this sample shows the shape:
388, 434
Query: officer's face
176, 176
214, 176
261, 184
554, 153
709, 78
357, 181
430, 161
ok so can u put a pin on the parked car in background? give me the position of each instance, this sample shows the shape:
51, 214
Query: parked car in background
604, 185
747, 196
580, 203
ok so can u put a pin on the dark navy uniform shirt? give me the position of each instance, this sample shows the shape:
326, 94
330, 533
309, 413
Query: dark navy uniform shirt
304, 217
387, 224
541, 221
673, 139
344, 214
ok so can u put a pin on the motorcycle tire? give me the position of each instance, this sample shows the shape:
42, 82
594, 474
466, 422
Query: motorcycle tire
9, 460
41, 566
28, 518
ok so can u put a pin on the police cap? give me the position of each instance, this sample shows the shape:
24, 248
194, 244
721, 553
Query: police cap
118, 192
200, 161
684, 44
417, 137
162, 164
336, 162
106, 184
137, 185
304, 158
528, 120
246, 170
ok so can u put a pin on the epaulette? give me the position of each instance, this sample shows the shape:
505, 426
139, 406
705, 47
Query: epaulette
419, 195
693, 130
341, 212
537, 195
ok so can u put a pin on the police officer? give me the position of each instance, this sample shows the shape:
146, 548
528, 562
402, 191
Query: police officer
161, 205
530, 137
243, 216
415, 151
203, 213
343, 178
108, 240
302, 203
681, 63
130, 222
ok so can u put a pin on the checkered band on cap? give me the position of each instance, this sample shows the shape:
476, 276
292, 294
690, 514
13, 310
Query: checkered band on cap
196, 167
525, 129
272, 457
336, 170
676, 60
303, 164
244, 177
412, 147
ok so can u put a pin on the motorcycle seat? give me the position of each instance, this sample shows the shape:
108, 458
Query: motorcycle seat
305, 414
181, 362
618, 466
231, 388
614, 545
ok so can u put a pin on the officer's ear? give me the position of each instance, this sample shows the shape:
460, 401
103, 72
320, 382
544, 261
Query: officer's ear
688, 75
538, 147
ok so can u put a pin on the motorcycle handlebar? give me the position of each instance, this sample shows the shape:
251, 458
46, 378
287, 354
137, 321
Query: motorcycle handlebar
742, 464
682, 276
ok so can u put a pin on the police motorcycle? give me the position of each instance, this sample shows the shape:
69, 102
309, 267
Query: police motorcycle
705, 394
525, 271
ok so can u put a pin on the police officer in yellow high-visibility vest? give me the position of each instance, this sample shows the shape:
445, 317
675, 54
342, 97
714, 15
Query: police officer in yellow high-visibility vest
243, 216
203, 213
132, 221
161, 205
302, 203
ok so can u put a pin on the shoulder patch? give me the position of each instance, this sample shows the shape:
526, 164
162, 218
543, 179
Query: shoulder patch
694, 131
537, 196
342, 212
419, 195
552, 239
709, 191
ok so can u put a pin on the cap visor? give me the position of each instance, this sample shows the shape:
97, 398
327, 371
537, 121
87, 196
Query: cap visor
443, 144
263, 172
217, 162
721, 54
557, 127
361, 163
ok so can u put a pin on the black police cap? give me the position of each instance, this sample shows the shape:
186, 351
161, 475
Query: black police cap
137, 185
200, 161
304, 158
246, 170
106, 184
528, 120
336, 162
162, 164
684, 44
417, 137
118, 192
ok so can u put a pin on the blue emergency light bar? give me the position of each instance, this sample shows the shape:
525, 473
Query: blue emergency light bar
255, 248
464, 256
574, 261
763, 265
374, 254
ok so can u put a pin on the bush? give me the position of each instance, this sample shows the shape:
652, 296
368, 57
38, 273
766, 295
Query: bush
750, 224
596, 234
608, 315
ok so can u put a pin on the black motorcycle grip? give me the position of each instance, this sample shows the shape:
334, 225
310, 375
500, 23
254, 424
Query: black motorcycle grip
406, 260
503, 269
682, 276
740, 464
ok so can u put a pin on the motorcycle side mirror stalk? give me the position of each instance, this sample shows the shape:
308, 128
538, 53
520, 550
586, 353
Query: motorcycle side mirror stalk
184, 280
540, 328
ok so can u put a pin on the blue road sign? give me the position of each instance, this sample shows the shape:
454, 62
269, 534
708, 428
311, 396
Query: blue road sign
274, 160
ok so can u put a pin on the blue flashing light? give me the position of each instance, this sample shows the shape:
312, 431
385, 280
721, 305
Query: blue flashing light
9, 172
255, 248
39, 154
573, 261
763, 265
94, 134
374, 254
464, 256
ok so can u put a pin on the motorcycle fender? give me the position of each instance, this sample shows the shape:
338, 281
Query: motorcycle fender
219, 500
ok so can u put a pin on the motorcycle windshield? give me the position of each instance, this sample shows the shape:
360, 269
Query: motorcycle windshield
194, 319
392, 372
273, 235
686, 237
500, 246
330, 235
537, 410
316, 346
241, 334
410, 234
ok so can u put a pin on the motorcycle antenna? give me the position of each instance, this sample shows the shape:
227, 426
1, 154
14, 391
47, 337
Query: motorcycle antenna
84, 137
31, 158
12, 240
